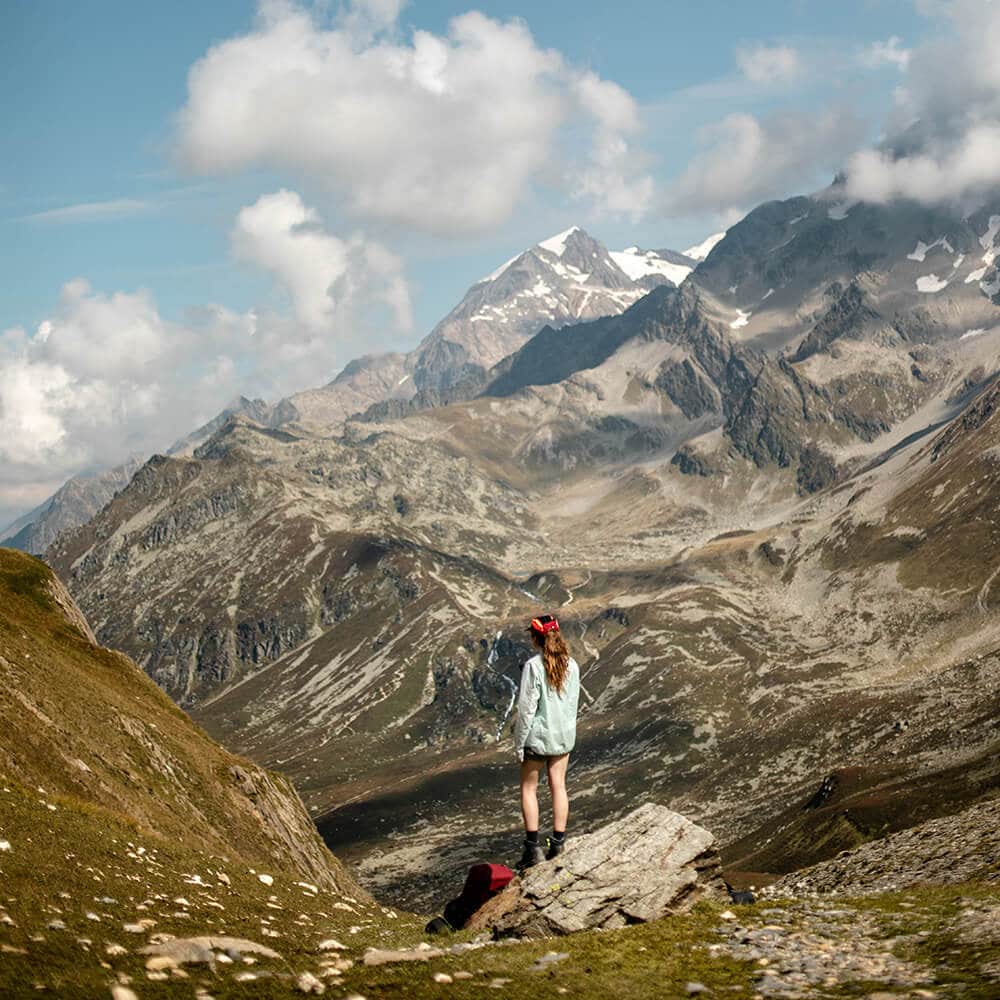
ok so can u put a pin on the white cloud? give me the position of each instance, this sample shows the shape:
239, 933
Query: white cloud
321, 272
105, 377
279, 234
887, 53
365, 18
86, 387
937, 173
444, 133
769, 65
945, 127
614, 177
747, 160
115, 337
93, 211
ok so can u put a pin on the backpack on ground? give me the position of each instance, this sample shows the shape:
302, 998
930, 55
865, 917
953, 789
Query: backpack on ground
482, 883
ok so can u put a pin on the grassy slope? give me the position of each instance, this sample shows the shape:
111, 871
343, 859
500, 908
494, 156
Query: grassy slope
91, 725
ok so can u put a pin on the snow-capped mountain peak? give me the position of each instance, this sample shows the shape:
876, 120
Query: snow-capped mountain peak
563, 279
493, 275
557, 244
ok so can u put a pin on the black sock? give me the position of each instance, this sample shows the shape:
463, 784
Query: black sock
531, 836
558, 836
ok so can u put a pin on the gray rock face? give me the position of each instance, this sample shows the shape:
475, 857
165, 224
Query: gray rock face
254, 409
647, 865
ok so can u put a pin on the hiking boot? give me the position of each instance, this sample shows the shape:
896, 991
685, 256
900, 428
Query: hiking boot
556, 847
532, 855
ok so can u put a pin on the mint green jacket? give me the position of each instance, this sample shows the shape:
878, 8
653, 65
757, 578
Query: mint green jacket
546, 718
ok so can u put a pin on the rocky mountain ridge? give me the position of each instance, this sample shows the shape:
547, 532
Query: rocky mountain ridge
561, 280
568, 277
81, 497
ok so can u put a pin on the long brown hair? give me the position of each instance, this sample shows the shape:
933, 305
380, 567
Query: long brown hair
555, 657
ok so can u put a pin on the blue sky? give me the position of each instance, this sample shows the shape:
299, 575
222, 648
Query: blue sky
181, 222
96, 126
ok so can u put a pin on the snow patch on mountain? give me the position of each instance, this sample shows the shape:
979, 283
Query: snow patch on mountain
923, 249
742, 319
972, 333
931, 283
568, 271
989, 237
637, 264
701, 250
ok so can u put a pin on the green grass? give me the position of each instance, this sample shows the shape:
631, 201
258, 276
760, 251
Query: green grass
83, 852
93, 727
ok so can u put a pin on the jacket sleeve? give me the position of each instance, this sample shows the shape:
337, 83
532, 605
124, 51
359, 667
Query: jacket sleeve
527, 705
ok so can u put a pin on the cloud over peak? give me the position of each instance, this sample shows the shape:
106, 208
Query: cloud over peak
444, 133
944, 135
746, 159
106, 376
321, 272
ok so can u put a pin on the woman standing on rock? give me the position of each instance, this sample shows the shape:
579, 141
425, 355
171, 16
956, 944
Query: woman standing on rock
545, 734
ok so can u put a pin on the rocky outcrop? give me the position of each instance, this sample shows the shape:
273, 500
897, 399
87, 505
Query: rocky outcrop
687, 390
69, 608
944, 851
647, 865
285, 823
851, 315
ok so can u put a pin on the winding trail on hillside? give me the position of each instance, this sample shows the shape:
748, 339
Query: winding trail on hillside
570, 590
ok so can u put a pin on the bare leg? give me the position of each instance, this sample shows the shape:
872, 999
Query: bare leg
530, 770
557, 783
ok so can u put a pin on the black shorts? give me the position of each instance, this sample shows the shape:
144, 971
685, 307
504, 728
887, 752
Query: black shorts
535, 755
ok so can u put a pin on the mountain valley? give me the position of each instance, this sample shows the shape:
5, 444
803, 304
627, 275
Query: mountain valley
709, 488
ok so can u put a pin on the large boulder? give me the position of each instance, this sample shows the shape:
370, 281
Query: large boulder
644, 866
